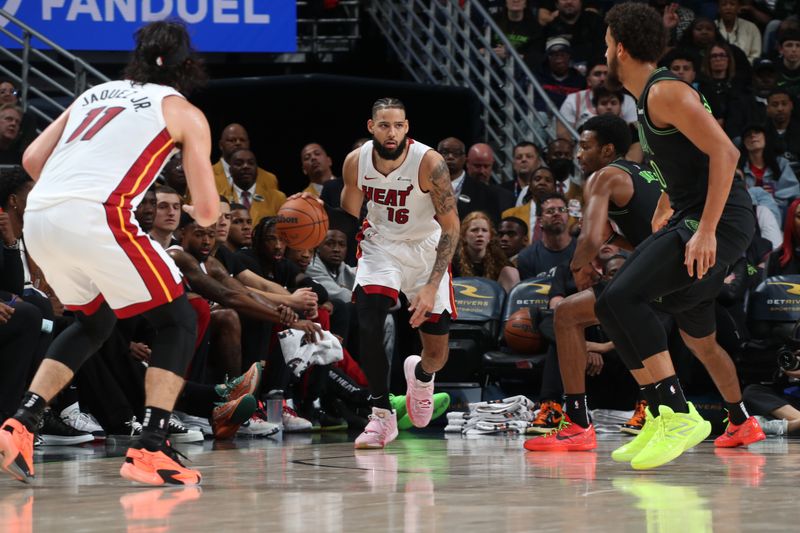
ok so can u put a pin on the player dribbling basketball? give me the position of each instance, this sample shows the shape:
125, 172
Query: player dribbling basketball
406, 244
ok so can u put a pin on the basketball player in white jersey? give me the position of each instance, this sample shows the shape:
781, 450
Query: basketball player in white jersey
93, 166
406, 243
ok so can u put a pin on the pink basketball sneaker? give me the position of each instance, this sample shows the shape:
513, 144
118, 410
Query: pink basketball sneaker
419, 395
381, 430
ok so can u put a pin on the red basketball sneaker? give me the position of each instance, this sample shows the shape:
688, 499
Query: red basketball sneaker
157, 468
568, 437
16, 450
742, 435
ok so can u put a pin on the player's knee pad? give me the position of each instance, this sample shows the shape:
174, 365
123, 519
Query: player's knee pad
372, 310
82, 338
176, 326
439, 327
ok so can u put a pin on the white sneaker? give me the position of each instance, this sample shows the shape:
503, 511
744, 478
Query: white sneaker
257, 426
197, 423
74, 418
292, 423
778, 426
179, 433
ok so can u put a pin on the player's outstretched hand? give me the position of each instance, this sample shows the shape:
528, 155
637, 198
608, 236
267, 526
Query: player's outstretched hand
306, 195
585, 276
421, 305
312, 329
702, 251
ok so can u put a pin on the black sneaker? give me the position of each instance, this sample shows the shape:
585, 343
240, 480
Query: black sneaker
179, 433
330, 422
54, 432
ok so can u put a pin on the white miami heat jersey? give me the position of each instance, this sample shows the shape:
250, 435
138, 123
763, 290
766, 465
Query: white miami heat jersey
114, 145
397, 206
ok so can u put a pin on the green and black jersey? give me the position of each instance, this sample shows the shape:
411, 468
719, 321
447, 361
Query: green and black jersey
679, 166
634, 219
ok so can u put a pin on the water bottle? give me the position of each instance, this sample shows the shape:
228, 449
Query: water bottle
275, 411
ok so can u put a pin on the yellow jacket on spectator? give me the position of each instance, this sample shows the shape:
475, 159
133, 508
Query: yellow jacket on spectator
265, 202
268, 179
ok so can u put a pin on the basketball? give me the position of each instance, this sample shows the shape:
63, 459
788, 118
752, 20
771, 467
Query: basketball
519, 333
302, 223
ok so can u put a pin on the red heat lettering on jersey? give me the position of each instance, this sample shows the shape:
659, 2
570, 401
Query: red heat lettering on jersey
391, 197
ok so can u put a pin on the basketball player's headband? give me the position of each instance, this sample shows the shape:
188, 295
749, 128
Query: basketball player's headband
177, 57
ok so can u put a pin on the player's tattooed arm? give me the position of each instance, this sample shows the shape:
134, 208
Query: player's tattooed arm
444, 203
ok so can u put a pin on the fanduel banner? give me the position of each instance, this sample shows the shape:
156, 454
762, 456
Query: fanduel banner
215, 25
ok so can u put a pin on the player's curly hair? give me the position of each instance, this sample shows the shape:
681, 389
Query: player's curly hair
640, 30
610, 129
164, 55
494, 260
12, 179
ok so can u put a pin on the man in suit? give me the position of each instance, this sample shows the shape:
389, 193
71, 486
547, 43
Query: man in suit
527, 158
234, 137
471, 194
245, 189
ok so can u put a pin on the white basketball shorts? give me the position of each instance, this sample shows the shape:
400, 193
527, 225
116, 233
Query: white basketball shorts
92, 253
388, 267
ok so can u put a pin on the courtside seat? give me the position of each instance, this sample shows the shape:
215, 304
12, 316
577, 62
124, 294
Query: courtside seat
479, 302
773, 309
532, 293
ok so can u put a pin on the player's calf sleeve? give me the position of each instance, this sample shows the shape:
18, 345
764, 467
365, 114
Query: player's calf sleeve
176, 327
372, 310
82, 338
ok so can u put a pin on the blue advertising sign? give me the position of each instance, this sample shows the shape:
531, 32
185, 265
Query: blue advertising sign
215, 25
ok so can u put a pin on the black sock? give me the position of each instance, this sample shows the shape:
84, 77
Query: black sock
421, 374
30, 410
737, 413
381, 402
650, 395
670, 394
577, 410
155, 428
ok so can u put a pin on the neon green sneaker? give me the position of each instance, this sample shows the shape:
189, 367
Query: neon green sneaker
677, 433
441, 401
626, 453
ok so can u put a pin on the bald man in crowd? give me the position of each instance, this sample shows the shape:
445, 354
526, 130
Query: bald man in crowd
471, 194
234, 137
480, 165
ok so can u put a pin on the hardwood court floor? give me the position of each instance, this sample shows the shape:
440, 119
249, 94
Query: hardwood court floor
421, 483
